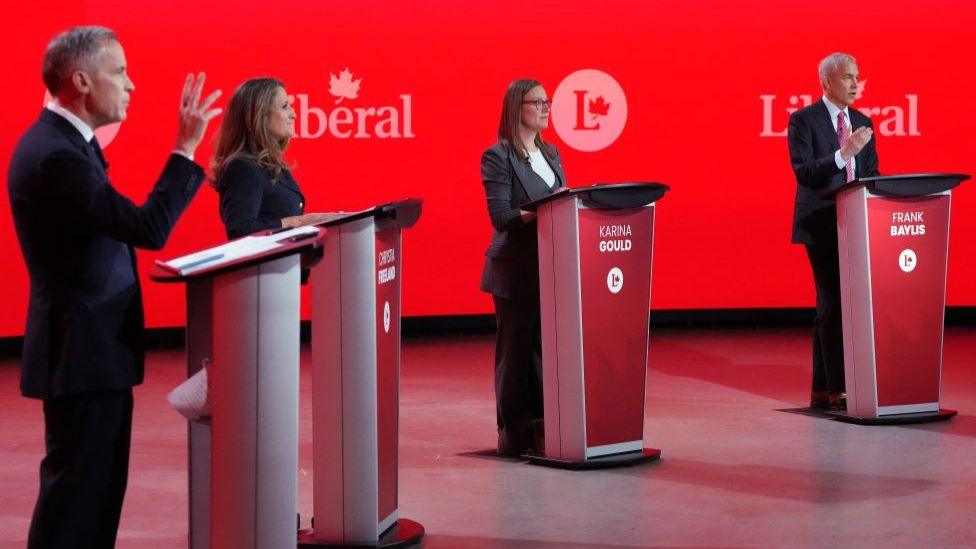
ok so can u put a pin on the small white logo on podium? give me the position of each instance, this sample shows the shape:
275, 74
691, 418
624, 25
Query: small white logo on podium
907, 260
615, 280
386, 316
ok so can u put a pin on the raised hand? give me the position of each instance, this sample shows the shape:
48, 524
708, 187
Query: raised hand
195, 115
855, 142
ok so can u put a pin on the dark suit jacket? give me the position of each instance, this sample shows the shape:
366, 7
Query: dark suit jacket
77, 233
250, 201
512, 260
813, 142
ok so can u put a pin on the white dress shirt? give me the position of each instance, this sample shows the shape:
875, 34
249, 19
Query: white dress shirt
541, 167
84, 129
833, 110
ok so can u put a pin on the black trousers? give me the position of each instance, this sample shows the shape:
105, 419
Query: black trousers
518, 372
84, 474
828, 328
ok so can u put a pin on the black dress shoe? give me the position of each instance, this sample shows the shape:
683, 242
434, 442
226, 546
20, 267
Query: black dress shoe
837, 401
539, 433
515, 443
819, 400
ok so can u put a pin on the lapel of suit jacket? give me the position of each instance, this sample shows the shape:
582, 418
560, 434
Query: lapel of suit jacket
557, 166
289, 183
533, 185
826, 124
859, 157
74, 137
78, 140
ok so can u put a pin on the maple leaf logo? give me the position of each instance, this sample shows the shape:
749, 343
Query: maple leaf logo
343, 86
860, 88
599, 107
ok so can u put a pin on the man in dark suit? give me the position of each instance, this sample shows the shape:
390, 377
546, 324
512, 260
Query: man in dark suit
830, 144
83, 339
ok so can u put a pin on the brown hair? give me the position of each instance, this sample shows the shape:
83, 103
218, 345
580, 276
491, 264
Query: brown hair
73, 49
508, 127
244, 129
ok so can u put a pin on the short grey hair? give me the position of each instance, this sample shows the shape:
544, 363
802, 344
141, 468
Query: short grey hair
69, 51
829, 65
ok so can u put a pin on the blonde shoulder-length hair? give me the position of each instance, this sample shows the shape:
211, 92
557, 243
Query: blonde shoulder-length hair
244, 129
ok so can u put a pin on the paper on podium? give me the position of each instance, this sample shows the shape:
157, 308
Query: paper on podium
232, 251
190, 397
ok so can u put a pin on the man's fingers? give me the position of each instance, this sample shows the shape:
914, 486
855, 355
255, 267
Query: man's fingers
211, 113
209, 100
197, 90
187, 86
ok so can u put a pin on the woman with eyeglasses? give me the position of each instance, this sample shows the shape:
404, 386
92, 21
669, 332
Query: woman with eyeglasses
519, 168
257, 190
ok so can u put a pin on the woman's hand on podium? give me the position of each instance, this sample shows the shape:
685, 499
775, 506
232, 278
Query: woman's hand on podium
527, 217
310, 219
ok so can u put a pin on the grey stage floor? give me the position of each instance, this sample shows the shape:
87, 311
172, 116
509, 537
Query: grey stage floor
736, 472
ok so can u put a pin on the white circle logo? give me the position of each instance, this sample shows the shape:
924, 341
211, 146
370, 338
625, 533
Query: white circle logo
907, 260
386, 317
615, 280
589, 110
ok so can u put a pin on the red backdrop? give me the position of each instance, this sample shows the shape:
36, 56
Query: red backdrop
694, 73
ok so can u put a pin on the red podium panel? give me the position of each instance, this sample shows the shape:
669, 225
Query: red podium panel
615, 279
595, 253
355, 380
893, 236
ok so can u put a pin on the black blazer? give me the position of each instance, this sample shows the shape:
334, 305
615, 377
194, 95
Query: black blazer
250, 201
77, 233
813, 142
511, 267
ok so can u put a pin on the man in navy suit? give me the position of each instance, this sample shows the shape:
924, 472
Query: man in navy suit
830, 144
83, 339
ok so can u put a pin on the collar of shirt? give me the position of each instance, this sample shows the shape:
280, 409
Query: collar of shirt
79, 124
833, 110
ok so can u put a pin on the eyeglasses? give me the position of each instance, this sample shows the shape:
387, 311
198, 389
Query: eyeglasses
540, 104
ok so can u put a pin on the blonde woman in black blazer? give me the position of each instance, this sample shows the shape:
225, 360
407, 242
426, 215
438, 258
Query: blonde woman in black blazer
519, 168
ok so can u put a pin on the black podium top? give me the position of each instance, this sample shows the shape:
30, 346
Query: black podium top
907, 185
609, 195
214, 263
403, 213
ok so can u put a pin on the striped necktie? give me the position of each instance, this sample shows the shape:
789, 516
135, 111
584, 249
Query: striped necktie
843, 133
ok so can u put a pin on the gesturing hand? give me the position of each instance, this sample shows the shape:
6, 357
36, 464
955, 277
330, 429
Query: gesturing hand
855, 142
194, 114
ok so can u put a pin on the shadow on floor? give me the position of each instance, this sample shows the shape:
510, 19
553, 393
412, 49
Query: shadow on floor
961, 425
490, 453
783, 482
809, 412
728, 362
443, 542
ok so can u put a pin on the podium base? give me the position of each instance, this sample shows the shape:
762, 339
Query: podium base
403, 533
894, 419
602, 462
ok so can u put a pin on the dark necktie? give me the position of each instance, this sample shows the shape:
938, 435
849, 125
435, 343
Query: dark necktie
97, 152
